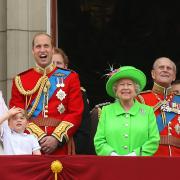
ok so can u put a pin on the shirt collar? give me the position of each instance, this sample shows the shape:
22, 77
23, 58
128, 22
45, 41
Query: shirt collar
119, 109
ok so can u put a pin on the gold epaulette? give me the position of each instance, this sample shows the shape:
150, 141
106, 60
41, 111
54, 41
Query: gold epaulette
141, 99
99, 112
99, 107
147, 91
61, 131
37, 131
102, 104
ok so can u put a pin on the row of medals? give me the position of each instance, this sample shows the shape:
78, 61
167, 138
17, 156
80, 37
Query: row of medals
60, 94
174, 108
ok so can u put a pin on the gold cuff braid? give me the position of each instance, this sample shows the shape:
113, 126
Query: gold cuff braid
37, 131
61, 131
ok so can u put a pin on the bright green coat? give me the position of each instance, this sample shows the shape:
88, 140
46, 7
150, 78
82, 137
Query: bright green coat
125, 132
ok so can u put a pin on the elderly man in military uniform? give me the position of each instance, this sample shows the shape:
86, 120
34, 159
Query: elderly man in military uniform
52, 98
166, 106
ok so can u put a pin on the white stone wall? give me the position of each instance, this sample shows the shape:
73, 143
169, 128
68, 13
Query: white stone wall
3, 49
19, 21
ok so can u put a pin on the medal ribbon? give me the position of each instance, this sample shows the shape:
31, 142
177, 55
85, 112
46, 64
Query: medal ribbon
169, 115
53, 80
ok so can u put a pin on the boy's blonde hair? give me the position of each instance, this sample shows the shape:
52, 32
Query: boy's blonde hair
23, 112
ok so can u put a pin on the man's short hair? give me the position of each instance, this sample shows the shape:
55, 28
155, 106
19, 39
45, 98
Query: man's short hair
39, 34
23, 112
173, 64
63, 54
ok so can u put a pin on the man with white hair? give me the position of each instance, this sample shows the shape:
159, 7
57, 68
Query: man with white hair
166, 106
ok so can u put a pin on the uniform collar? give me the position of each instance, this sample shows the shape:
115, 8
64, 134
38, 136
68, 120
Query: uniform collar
119, 109
161, 90
45, 70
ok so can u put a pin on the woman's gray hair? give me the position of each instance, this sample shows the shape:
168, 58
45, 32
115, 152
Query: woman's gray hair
137, 87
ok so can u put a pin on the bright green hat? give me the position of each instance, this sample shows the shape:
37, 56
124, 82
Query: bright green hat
129, 72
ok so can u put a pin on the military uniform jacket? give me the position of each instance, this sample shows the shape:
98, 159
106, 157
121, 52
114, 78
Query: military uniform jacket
125, 132
63, 110
168, 120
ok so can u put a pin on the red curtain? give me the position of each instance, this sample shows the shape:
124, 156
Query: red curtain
89, 168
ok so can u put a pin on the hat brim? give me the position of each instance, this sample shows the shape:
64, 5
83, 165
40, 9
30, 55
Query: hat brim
132, 73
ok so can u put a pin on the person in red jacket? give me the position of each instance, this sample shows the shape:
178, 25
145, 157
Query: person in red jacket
82, 137
52, 98
166, 106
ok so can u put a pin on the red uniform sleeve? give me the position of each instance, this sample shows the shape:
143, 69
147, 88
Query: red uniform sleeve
75, 104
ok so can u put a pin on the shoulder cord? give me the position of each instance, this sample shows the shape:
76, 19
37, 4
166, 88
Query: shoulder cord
41, 84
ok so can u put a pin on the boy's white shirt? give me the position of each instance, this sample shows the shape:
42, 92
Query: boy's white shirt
17, 143
13, 141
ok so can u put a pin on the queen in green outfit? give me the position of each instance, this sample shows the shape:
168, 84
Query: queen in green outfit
126, 127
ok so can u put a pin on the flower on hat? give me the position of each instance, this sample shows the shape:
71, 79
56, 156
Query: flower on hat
111, 71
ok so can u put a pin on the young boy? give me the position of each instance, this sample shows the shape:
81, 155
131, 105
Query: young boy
15, 141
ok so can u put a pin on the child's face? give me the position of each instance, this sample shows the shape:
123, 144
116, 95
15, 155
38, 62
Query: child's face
18, 123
